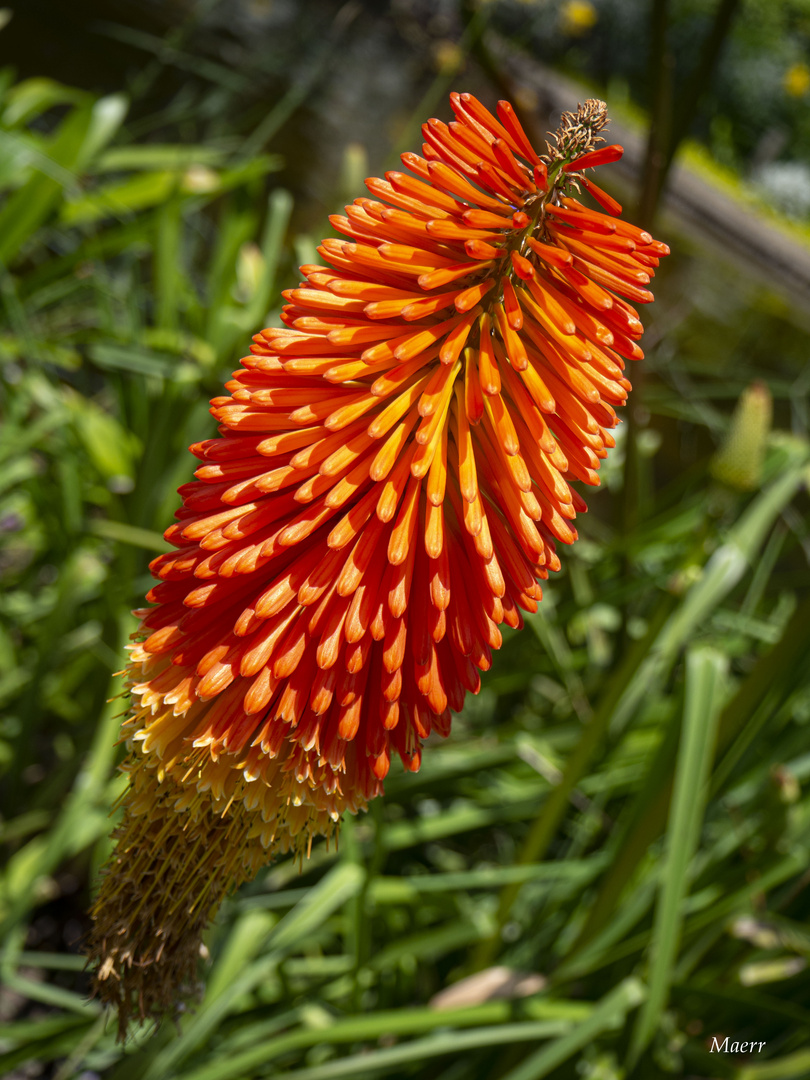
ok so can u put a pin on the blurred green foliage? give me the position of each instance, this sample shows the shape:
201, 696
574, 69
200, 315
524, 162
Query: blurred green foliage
621, 816
751, 92
752, 113
113, 341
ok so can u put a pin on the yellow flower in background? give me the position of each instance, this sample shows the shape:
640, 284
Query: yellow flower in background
577, 17
448, 56
796, 80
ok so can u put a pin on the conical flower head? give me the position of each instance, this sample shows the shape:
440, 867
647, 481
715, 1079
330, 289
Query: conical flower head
739, 461
391, 481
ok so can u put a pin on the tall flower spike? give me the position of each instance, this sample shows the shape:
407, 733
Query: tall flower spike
392, 479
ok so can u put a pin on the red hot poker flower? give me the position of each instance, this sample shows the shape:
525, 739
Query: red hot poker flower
391, 482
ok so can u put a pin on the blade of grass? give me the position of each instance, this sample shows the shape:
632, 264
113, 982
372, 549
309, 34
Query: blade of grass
705, 674
608, 1015
79, 1051
794, 1067
743, 715
491, 1020
81, 135
649, 660
645, 823
423, 1051
168, 225
279, 211
246, 938
129, 534
83, 819
48, 994
331, 892
554, 807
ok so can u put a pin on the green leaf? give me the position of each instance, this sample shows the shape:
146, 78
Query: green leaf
83, 133
120, 199
111, 448
123, 533
157, 158
133, 359
34, 96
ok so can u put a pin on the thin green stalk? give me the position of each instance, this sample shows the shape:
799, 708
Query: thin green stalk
661, 66
674, 109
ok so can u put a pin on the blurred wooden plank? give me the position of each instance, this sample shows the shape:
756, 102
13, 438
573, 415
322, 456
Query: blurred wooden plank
693, 206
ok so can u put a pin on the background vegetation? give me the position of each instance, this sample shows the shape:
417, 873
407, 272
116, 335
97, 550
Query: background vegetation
613, 845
